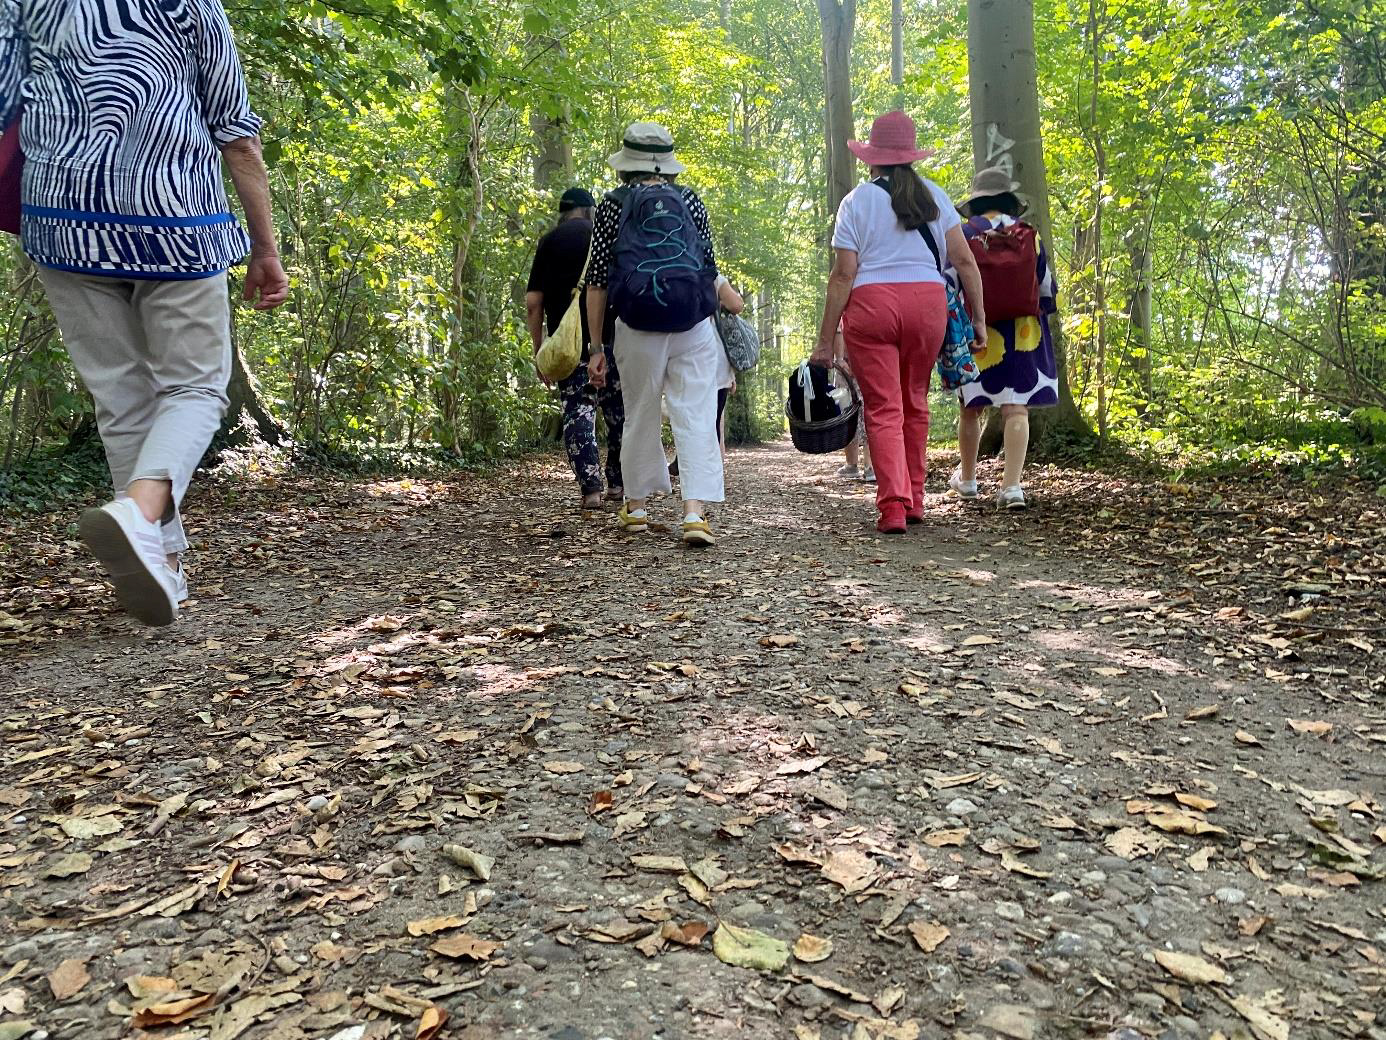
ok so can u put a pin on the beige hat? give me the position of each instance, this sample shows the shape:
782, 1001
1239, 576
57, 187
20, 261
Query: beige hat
991, 181
646, 146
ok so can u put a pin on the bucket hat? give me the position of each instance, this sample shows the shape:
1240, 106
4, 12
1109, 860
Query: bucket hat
646, 146
991, 181
894, 141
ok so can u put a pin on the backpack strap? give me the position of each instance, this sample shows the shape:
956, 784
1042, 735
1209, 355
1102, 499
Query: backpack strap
884, 184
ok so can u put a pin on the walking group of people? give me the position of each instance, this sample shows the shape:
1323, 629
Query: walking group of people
898, 243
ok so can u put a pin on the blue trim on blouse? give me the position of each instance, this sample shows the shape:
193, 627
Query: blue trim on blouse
211, 220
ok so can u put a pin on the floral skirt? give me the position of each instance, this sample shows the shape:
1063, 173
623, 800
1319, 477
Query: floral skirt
1018, 367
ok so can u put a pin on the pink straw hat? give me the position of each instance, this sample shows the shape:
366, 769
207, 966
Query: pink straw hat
894, 142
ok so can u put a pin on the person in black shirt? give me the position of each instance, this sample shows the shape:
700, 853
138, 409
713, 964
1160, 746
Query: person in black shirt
557, 270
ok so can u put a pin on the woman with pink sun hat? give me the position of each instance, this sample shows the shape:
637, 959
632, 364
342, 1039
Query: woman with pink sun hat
887, 289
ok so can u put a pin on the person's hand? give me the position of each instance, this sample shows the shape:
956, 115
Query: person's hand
596, 369
542, 378
822, 355
979, 337
265, 279
732, 389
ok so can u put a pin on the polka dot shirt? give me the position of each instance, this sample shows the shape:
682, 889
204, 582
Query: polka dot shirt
606, 224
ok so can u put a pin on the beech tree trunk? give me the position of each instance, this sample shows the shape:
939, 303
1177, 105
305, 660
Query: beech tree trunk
247, 416
838, 19
1140, 317
897, 49
1006, 133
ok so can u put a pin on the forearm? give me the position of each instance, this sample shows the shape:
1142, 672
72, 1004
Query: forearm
534, 319
971, 279
838, 293
596, 313
245, 160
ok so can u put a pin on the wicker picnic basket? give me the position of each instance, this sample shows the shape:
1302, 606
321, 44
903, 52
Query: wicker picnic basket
829, 435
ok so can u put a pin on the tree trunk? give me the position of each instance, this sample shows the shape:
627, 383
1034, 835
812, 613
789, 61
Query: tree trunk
897, 49
838, 19
1006, 133
553, 152
247, 416
1099, 259
1139, 315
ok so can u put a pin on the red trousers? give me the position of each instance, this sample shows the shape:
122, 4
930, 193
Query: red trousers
893, 333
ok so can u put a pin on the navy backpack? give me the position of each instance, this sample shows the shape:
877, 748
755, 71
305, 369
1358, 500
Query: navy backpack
662, 276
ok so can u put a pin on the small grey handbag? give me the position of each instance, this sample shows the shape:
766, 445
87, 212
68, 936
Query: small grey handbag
739, 339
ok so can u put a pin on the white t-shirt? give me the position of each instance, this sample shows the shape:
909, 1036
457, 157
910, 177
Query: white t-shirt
886, 252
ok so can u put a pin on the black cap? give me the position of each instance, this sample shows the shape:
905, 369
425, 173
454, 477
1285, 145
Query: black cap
576, 198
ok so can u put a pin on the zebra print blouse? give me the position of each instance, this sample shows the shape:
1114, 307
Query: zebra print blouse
126, 105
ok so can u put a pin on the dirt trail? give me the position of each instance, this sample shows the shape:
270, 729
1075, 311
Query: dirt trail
1001, 764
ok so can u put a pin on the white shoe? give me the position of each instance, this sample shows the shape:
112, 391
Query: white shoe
868, 477
132, 551
962, 488
180, 584
1011, 498
848, 472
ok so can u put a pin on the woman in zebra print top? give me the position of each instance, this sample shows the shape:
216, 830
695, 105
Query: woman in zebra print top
128, 109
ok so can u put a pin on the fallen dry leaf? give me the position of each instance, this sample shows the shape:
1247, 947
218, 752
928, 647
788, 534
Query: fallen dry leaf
945, 838
68, 978
811, 949
478, 865
561, 767
173, 1012
1134, 842
465, 947
1010, 1020
850, 868
431, 1023
1175, 822
748, 948
1316, 729
691, 933
432, 925
929, 935
1264, 1022
1194, 801
803, 765
660, 864
67, 866
1189, 968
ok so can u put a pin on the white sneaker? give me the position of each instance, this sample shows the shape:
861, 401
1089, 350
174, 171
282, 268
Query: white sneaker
848, 472
868, 477
180, 584
1011, 498
962, 488
132, 551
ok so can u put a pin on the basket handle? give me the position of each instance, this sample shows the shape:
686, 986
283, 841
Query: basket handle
851, 383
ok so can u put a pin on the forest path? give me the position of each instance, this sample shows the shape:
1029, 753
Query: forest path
1001, 764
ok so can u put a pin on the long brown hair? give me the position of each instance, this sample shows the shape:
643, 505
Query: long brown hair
910, 197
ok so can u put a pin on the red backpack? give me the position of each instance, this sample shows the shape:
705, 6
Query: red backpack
1009, 258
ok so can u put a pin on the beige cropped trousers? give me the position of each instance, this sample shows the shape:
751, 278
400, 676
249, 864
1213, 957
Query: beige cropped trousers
156, 356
